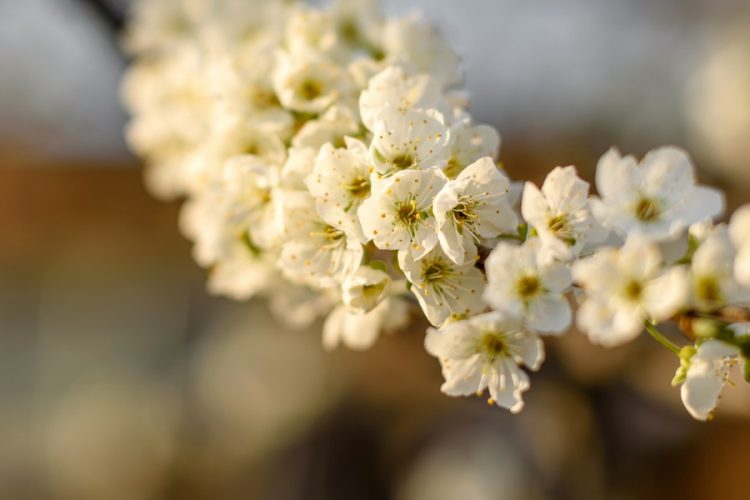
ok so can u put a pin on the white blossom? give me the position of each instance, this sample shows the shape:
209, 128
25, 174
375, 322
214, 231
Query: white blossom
308, 82
560, 213
359, 331
486, 352
442, 287
707, 374
365, 288
712, 272
524, 283
340, 182
313, 251
470, 143
739, 230
472, 207
392, 93
657, 198
398, 216
417, 139
625, 287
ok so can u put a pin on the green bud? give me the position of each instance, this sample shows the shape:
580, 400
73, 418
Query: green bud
706, 328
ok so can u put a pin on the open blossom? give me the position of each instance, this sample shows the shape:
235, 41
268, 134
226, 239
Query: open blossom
712, 272
471, 207
523, 283
398, 216
560, 213
365, 288
340, 182
417, 140
739, 230
470, 143
308, 82
442, 287
332, 127
314, 251
242, 273
486, 352
657, 198
359, 331
393, 92
707, 374
626, 287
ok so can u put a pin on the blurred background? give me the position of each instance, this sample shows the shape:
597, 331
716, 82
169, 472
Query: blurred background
120, 378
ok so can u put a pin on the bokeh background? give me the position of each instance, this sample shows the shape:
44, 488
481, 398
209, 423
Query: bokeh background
120, 378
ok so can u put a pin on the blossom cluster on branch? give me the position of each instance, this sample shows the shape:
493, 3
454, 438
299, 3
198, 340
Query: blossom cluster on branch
328, 162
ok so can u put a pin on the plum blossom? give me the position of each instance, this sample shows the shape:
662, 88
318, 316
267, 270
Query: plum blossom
560, 213
442, 287
486, 352
657, 198
415, 140
707, 373
523, 283
739, 230
473, 207
624, 288
398, 216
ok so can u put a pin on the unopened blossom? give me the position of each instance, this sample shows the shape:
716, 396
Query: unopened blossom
657, 198
442, 287
398, 215
417, 139
486, 352
365, 288
471, 207
625, 287
392, 93
314, 251
340, 183
712, 273
523, 282
359, 331
707, 374
560, 213
739, 230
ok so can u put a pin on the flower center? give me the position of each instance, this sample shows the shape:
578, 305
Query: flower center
263, 98
453, 168
493, 344
359, 187
403, 161
434, 271
707, 289
463, 212
310, 89
408, 214
647, 210
528, 286
633, 290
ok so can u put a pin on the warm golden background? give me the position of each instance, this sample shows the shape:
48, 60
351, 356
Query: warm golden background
120, 378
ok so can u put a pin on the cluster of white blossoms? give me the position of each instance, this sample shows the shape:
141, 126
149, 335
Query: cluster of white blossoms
328, 163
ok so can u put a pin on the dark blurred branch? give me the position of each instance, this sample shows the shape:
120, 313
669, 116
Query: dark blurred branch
112, 16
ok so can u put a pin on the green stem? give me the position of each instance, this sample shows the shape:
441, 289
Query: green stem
660, 338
